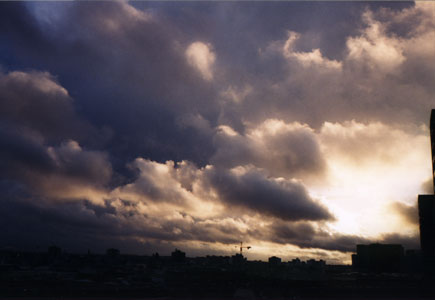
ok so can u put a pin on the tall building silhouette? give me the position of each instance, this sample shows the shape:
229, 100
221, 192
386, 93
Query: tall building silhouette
378, 257
432, 143
426, 205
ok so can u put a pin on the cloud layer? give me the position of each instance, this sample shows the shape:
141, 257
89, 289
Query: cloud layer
146, 126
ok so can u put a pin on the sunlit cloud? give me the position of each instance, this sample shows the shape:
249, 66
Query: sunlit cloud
374, 48
314, 57
201, 57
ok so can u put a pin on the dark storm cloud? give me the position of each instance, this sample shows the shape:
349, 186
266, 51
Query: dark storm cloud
40, 136
133, 71
292, 233
338, 242
249, 189
115, 49
70, 225
133, 74
374, 78
50, 170
41, 223
125, 69
245, 26
36, 101
21, 150
20, 32
287, 150
287, 200
81, 225
408, 212
188, 229
305, 235
124, 224
407, 241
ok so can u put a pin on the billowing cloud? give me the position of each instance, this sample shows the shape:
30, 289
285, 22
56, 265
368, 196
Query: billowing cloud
408, 212
37, 131
374, 49
408, 241
307, 59
183, 185
285, 199
202, 58
36, 101
61, 172
281, 149
372, 143
306, 87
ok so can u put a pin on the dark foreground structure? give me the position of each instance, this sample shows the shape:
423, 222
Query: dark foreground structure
56, 275
378, 258
392, 258
426, 212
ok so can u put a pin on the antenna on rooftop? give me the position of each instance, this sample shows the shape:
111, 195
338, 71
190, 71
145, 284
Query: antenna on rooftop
243, 247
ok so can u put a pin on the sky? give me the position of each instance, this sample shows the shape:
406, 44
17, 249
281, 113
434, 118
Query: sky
299, 128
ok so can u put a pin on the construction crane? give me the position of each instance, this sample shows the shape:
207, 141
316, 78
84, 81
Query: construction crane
243, 247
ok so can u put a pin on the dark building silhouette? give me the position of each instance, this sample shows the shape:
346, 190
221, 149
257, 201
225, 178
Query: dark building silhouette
426, 212
432, 143
54, 251
238, 259
426, 206
178, 255
390, 258
274, 261
378, 258
112, 252
412, 262
316, 265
